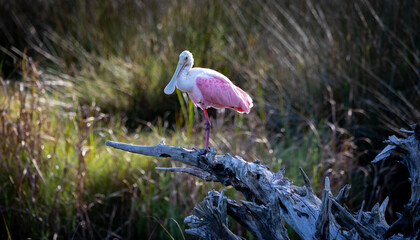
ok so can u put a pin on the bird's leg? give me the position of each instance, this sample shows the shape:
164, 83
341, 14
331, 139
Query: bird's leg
206, 143
208, 125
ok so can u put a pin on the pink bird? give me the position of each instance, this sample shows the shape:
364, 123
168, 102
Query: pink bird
207, 88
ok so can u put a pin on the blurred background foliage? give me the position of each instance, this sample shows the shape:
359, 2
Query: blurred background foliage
330, 81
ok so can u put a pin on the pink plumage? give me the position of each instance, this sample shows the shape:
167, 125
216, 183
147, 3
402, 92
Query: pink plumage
207, 88
218, 93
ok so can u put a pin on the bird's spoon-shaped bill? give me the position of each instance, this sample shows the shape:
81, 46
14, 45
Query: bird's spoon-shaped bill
170, 88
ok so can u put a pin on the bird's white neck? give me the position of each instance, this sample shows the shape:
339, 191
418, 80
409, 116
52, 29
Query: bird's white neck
183, 83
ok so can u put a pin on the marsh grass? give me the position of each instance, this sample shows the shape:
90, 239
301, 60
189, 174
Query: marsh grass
59, 178
330, 80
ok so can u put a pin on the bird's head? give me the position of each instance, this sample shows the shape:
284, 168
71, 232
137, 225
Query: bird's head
185, 60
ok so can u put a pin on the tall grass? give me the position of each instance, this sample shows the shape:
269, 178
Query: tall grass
58, 179
345, 72
330, 80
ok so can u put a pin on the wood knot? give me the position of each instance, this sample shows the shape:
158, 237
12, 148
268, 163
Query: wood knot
219, 168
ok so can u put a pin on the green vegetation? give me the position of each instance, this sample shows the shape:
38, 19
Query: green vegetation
330, 80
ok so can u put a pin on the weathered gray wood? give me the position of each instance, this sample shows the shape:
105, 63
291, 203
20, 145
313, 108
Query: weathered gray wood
254, 217
409, 221
210, 220
271, 198
196, 172
189, 157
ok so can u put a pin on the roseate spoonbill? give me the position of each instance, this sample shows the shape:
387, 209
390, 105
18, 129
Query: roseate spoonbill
207, 88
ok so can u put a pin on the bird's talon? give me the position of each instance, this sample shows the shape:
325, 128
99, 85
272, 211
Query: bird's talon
201, 152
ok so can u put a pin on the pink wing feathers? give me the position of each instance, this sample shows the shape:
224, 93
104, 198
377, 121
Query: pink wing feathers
219, 93
247, 99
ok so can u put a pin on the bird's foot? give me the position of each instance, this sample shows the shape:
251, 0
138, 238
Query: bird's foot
201, 152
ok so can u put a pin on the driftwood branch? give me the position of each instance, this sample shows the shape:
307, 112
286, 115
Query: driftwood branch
272, 199
409, 221
196, 172
210, 219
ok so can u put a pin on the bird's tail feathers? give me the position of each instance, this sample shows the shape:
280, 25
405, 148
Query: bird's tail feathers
247, 102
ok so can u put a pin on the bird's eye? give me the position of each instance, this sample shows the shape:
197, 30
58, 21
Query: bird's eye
186, 58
